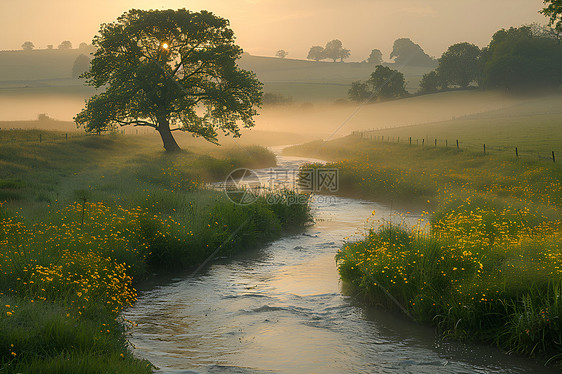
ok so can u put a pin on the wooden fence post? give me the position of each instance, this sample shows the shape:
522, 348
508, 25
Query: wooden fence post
457, 144
410, 140
553, 158
436, 142
516, 152
484, 148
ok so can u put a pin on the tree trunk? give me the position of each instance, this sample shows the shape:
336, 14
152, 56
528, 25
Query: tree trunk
170, 144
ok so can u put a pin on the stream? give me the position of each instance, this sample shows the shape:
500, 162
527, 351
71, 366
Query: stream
283, 309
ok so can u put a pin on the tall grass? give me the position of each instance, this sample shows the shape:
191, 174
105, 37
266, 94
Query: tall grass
489, 274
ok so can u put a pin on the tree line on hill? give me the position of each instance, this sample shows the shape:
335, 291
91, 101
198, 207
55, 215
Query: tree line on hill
404, 52
63, 46
519, 58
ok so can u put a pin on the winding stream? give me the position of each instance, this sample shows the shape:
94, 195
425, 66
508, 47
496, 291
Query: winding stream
282, 309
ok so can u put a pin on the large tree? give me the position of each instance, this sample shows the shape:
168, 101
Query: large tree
334, 50
170, 70
460, 65
387, 83
406, 52
384, 83
516, 59
316, 53
375, 57
553, 11
430, 83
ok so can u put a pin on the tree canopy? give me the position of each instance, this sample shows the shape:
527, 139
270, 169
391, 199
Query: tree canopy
517, 58
375, 57
170, 70
460, 65
383, 84
65, 45
553, 11
80, 66
387, 83
281, 53
316, 53
406, 52
27, 46
334, 50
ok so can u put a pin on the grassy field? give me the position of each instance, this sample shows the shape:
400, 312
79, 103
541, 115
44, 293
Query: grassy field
48, 72
488, 267
83, 219
318, 81
533, 126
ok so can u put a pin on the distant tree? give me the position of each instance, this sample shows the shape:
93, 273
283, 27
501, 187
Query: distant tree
459, 65
360, 92
345, 53
170, 70
375, 57
383, 84
334, 50
281, 53
518, 59
50, 46
316, 53
387, 83
406, 52
83, 46
27, 46
430, 83
553, 10
65, 45
81, 65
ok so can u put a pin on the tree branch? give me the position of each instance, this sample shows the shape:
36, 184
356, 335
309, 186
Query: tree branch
136, 123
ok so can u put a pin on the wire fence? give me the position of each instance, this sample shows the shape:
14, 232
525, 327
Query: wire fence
484, 148
30, 135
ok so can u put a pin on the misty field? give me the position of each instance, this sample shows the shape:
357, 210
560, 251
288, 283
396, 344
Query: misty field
85, 218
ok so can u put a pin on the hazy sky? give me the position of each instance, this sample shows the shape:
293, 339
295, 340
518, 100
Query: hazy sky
264, 26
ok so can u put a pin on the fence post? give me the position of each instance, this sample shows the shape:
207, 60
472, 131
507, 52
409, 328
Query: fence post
65, 137
457, 144
484, 148
516, 152
436, 142
553, 158
423, 142
446, 143
398, 139
410, 140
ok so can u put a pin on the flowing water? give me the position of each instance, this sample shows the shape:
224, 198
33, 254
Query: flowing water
283, 309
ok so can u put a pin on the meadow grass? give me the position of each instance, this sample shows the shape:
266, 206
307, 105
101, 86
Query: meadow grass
83, 220
533, 126
488, 267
